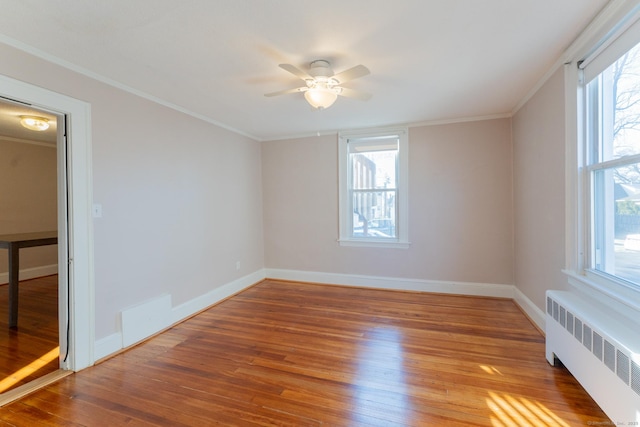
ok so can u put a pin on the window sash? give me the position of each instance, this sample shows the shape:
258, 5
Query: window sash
615, 163
607, 256
386, 223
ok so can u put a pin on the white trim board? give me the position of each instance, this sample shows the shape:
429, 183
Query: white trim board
32, 273
535, 314
143, 320
434, 286
394, 283
189, 308
114, 343
157, 315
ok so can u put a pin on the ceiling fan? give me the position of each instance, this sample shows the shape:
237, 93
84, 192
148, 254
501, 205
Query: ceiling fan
322, 86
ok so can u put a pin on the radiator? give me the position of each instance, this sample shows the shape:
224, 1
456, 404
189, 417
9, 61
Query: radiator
601, 349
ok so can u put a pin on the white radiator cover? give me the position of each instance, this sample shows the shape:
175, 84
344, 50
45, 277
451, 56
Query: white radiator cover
600, 347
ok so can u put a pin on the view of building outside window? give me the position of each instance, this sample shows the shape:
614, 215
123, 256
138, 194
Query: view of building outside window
373, 177
616, 185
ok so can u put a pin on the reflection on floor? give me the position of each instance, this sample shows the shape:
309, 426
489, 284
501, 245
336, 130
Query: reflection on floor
32, 350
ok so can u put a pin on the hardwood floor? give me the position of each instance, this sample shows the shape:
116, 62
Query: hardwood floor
31, 350
292, 354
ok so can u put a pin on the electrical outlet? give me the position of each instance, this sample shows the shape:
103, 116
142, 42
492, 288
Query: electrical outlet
237, 265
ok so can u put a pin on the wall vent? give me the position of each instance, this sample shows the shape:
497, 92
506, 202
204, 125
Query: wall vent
586, 336
609, 356
622, 362
570, 322
597, 345
635, 377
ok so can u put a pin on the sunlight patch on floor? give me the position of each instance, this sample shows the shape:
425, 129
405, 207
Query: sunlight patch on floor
29, 369
382, 385
512, 411
490, 370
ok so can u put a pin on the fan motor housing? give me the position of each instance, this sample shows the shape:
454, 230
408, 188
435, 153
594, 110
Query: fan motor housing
320, 68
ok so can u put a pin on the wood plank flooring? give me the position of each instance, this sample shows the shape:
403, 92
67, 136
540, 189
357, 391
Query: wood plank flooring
293, 354
22, 349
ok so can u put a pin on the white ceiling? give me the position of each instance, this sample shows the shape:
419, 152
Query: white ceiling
430, 60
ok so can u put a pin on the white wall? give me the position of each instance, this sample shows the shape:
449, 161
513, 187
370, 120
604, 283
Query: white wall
539, 180
181, 198
460, 199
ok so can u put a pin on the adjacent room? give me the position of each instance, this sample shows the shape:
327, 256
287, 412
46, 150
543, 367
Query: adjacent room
28, 188
346, 213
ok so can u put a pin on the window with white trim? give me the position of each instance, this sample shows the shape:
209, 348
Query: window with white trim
611, 161
373, 180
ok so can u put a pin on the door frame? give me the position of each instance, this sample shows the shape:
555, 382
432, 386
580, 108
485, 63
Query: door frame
75, 232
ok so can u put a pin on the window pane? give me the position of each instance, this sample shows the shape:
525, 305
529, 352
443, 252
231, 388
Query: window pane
617, 222
620, 107
374, 214
374, 170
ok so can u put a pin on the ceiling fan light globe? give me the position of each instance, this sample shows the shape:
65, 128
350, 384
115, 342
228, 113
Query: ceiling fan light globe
320, 98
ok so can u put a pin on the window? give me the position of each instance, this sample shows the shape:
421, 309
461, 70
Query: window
373, 188
611, 160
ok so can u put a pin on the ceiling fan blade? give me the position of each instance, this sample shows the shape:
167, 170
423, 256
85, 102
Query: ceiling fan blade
286, 91
350, 93
351, 73
295, 71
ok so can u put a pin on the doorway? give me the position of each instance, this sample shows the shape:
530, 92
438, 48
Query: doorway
76, 305
32, 200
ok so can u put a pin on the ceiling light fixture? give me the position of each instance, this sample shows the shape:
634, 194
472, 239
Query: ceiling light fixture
321, 96
34, 123
323, 86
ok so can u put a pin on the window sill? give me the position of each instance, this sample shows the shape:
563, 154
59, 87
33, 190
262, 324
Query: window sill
599, 285
374, 243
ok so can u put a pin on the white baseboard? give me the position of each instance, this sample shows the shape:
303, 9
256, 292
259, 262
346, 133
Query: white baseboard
189, 308
115, 342
435, 286
394, 283
32, 273
147, 319
536, 315
143, 320
107, 346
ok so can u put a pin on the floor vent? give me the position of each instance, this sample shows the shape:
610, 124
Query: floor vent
601, 350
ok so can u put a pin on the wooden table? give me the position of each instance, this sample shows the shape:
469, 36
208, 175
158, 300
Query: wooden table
14, 242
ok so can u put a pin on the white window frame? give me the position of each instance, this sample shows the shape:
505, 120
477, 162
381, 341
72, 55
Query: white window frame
402, 202
613, 28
